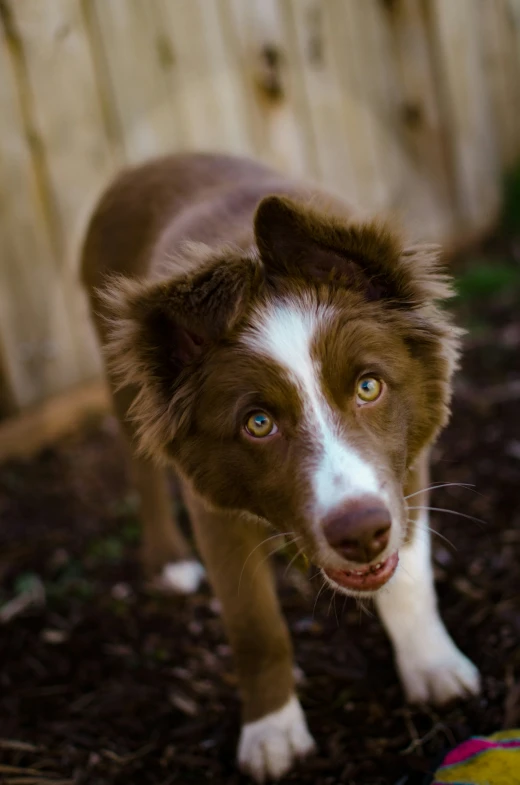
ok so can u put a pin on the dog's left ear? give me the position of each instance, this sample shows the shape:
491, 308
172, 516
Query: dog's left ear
158, 333
296, 241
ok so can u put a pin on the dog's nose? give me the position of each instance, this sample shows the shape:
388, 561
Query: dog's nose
360, 530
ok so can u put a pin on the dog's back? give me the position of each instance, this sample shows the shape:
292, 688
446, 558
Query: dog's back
150, 210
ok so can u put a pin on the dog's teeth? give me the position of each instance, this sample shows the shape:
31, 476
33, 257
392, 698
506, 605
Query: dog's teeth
378, 565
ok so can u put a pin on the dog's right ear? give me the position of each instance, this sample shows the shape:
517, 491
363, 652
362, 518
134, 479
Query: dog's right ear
158, 331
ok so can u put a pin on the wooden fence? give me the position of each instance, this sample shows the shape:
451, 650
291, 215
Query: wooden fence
408, 105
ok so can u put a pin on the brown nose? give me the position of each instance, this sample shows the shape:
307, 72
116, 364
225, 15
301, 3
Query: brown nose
360, 530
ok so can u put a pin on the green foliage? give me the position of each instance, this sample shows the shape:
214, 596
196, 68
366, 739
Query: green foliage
106, 549
26, 582
131, 532
126, 511
64, 589
342, 698
70, 581
511, 208
127, 507
487, 278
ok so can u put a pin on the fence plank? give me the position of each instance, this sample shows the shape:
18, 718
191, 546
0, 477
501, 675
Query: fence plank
330, 104
137, 71
75, 149
350, 39
374, 112
274, 96
418, 131
8, 403
501, 52
39, 355
209, 91
470, 129
41, 425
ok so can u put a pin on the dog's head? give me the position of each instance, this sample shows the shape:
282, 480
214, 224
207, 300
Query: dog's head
297, 383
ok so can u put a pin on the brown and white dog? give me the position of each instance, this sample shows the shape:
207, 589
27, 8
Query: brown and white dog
291, 362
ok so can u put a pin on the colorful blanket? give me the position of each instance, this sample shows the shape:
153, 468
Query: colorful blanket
490, 760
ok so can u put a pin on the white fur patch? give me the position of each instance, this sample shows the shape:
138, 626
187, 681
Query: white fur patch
269, 747
183, 577
284, 332
431, 667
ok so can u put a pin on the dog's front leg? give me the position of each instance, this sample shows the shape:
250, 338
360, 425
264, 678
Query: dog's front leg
274, 731
431, 667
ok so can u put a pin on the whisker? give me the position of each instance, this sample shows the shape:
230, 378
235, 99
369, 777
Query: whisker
323, 585
452, 512
363, 609
282, 534
333, 604
271, 553
468, 485
434, 531
408, 573
335, 609
298, 553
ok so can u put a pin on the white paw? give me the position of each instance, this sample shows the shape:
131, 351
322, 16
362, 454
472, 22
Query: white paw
183, 577
270, 746
437, 673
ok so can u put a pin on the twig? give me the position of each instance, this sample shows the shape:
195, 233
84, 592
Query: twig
123, 760
33, 597
36, 781
18, 746
417, 742
6, 769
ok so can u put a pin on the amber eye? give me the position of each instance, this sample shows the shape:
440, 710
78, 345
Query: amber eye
369, 389
260, 424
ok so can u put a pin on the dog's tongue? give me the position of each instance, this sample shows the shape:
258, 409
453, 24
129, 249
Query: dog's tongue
366, 579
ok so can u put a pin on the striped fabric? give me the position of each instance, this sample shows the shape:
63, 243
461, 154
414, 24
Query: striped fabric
491, 760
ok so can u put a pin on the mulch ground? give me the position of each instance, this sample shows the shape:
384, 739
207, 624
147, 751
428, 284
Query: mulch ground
101, 681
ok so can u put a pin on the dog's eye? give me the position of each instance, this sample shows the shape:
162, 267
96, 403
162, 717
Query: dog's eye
260, 424
369, 389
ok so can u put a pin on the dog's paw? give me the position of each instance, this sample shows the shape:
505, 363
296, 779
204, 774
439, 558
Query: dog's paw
269, 747
182, 577
438, 673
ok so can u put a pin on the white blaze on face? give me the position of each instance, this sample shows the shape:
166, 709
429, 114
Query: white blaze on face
284, 331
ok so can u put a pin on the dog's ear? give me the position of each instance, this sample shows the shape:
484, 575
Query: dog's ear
157, 331
297, 241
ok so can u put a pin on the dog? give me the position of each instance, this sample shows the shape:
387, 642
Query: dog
291, 360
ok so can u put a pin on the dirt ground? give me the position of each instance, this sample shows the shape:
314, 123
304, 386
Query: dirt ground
101, 681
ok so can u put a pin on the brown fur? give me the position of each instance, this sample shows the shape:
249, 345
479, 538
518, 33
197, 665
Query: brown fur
208, 304
181, 257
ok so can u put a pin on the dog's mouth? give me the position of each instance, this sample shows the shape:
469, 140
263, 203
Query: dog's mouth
369, 578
